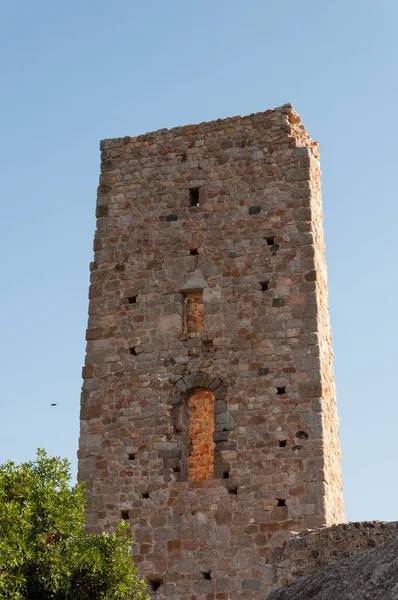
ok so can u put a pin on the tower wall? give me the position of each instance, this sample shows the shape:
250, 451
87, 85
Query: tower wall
222, 219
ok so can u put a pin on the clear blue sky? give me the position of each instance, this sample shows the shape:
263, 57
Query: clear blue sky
78, 71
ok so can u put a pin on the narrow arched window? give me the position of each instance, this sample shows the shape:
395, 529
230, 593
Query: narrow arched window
200, 403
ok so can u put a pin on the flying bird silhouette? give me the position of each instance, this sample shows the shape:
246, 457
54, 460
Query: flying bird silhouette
53, 405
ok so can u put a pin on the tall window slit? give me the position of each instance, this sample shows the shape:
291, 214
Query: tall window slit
193, 311
200, 433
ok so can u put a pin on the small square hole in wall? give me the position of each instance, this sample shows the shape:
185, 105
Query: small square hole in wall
131, 456
206, 575
233, 491
207, 345
225, 475
154, 583
145, 495
282, 443
264, 285
280, 502
132, 299
270, 240
133, 351
194, 196
281, 390
193, 252
124, 515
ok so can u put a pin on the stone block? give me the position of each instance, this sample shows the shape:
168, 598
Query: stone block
169, 452
251, 584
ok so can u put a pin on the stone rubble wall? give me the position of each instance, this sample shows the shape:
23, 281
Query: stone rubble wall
309, 551
367, 575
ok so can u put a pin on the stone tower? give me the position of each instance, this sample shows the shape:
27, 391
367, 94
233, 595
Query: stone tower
208, 414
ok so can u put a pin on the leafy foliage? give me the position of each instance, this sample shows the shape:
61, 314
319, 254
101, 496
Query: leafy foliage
45, 553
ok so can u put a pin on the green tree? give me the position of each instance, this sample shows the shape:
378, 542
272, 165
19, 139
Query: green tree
45, 553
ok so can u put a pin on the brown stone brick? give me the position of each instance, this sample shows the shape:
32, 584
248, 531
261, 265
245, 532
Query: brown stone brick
173, 545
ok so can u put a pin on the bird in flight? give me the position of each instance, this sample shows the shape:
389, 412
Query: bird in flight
53, 404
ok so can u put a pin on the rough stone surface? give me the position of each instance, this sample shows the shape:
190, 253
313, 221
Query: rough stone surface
369, 575
230, 209
312, 550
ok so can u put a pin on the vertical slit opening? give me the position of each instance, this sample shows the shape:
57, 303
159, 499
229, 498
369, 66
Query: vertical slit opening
200, 405
193, 311
194, 199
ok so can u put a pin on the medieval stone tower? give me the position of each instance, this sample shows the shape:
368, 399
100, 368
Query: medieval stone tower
208, 414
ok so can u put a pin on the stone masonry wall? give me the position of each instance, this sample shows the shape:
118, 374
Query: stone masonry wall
309, 551
231, 210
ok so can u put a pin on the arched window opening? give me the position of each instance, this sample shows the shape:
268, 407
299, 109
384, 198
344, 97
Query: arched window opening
200, 404
193, 311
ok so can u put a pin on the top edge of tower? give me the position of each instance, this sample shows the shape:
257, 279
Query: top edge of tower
283, 118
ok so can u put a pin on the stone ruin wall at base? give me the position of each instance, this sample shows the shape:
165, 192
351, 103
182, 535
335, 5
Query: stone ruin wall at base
309, 551
222, 219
